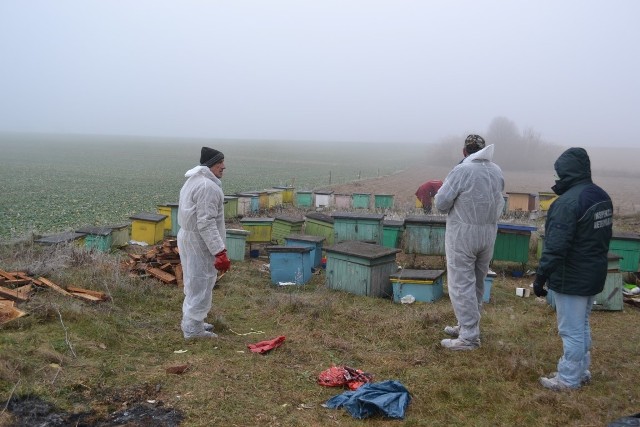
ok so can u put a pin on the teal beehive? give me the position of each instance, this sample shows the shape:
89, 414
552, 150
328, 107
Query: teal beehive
304, 199
361, 200
392, 232
98, 238
175, 227
314, 242
488, 284
423, 285
360, 268
354, 226
289, 264
424, 235
383, 201
236, 243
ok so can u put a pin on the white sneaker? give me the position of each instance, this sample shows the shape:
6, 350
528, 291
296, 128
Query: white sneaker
584, 380
555, 384
459, 344
208, 327
453, 331
203, 334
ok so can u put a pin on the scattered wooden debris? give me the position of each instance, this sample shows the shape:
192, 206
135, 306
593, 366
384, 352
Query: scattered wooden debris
17, 287
161, 262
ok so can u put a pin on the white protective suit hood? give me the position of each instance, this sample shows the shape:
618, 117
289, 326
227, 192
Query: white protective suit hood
472, 191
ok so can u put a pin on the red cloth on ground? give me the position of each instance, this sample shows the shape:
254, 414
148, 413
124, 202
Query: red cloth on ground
264, 346
426, 191
338, 376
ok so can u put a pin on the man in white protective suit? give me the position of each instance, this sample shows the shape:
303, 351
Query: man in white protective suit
201, 241
471, 195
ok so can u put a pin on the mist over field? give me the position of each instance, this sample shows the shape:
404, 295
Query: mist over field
62, 182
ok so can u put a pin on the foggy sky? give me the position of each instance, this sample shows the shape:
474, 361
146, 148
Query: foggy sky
359, 70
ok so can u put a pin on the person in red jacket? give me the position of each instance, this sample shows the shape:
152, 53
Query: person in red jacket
426, 192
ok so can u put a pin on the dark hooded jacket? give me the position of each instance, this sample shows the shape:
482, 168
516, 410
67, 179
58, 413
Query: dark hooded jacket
577, 230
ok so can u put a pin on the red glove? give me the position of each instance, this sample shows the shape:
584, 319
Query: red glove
222, 263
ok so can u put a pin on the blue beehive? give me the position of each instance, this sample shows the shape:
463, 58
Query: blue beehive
488, 283
423, 285
290, 264
314, 242
424, 234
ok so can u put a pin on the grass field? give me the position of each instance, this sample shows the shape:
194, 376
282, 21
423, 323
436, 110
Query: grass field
59, 183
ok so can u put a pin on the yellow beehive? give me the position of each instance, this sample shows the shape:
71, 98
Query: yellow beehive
147, 227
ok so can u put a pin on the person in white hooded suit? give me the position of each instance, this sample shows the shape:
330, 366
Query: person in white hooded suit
471, 195
201, 241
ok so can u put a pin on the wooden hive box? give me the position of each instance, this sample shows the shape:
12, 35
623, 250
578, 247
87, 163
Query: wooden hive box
361, 268
423, 285
289, 264
318, 224
147, 227
284, 225
424, 235
314, 242
355, 226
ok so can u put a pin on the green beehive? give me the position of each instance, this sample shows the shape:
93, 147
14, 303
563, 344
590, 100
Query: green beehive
392, 232
304, 199
424, 235
512, 243
627, 245
353, 226
236, 243
230, 207
383, 201
317, 224
361, 268
611, 298
361, 200
260, 229
175, 227
285, 225
98, 238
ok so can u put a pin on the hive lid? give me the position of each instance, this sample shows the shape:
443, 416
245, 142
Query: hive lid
625, 236
319, 217
392, 223
324, 192
613, 257
520, 227
247, 220
96, 231
290, 249
409, 274
362, 249
146, 216
426, 219
60, 238
290, 219
344, 215
238, 231
305, 238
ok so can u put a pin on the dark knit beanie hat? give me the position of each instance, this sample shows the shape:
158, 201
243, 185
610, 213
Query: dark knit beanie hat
474, 143
209, 157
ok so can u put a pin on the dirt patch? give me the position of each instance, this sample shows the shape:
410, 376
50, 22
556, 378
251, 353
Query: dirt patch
28, 411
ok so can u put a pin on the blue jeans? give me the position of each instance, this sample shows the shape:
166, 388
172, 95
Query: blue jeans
573, 313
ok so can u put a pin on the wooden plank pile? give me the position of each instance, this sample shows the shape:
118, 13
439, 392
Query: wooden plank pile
162, 262
17, 287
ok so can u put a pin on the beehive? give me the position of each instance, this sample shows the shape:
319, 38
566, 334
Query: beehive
147, 227
289, 264
361, 268
423, 285
424, 235
354, 226
313, 242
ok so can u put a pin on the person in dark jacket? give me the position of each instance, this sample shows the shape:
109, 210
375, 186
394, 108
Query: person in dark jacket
573, 264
